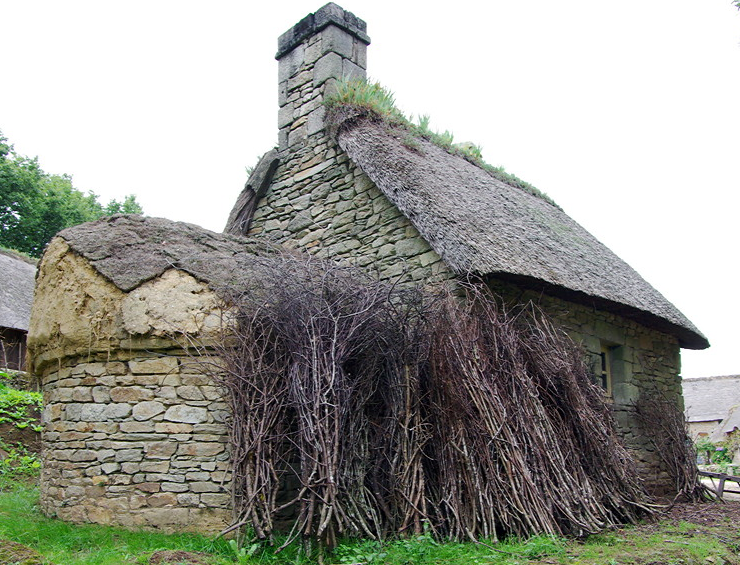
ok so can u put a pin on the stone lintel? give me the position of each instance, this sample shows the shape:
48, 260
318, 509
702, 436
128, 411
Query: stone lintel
330, 14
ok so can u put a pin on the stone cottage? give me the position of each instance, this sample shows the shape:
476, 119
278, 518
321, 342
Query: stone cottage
17, 276
710, 403
135, 431
361, 190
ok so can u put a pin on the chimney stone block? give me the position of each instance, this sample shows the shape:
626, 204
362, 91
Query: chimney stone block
315, 122
329, 66
352, 71
316, 52
285, 115
291, 63
330, 14
283, 93
359, 54
338, 41
313, 52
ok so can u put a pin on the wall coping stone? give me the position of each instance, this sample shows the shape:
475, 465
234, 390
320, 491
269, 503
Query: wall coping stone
330, 14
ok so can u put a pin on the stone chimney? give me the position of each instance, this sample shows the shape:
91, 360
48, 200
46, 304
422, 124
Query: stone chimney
312, 55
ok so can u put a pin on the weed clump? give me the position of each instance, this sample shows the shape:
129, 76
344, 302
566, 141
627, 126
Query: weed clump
374, 99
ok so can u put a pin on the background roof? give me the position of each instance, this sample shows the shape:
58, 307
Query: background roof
710, 398
17, 279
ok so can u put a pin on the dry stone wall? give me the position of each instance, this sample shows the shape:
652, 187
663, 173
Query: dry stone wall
136, 442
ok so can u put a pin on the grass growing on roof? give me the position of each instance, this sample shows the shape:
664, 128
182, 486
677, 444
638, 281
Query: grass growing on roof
375, 98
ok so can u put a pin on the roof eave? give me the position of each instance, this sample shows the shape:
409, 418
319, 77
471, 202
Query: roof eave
687, 338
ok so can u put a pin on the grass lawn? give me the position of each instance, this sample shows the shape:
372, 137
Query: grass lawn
691, 534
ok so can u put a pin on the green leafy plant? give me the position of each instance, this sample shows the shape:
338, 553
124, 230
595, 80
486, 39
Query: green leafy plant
18, 406
366, 551
17, 462
704, 447
244, 553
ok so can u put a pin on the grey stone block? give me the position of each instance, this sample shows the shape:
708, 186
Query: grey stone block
291, 63
360, 54
283, 139
132, 455
315, 122
205, 486
283, 92
334, 39
297, 137
329, 14
147, 410
329, 66
301, 221
186, 414
352, 71
285, 115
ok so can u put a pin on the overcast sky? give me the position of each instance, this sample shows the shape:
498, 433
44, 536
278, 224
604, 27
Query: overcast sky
626, 113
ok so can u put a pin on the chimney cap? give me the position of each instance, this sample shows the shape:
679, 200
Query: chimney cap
330, 14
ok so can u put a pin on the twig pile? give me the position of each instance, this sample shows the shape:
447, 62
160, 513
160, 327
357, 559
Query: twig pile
399, 411
666, 427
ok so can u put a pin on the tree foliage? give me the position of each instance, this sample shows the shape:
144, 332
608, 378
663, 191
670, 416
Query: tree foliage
35, 205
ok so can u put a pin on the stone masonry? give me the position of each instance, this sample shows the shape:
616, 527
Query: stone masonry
136, 443
134, 431
319, 201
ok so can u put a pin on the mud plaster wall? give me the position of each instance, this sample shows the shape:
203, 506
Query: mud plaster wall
134, 432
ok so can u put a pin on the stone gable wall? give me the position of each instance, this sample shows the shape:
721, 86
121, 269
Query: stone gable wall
136, 442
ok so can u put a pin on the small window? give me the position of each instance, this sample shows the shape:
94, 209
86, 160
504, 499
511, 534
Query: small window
603, 374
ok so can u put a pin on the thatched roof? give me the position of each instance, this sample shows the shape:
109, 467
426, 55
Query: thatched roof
709, 399
17, 279
130, 250
481, 225
729, 425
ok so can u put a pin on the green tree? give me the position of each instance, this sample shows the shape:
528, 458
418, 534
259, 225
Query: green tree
35, 205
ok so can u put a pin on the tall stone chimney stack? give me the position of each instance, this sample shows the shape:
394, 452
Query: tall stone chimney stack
320, 49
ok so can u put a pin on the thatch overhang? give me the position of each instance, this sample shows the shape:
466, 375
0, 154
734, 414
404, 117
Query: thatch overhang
130, 250
17, 278
482, 226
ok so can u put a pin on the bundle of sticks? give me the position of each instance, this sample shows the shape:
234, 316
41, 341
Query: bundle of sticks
397, 411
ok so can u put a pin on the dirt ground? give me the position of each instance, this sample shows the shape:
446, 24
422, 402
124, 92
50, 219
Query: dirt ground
707, 514
11, 435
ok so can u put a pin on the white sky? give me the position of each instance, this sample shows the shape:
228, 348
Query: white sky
626, 113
